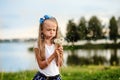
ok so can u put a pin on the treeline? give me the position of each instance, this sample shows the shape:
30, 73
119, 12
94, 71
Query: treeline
92, 29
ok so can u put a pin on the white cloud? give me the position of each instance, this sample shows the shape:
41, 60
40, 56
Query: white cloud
21, 33
19, 16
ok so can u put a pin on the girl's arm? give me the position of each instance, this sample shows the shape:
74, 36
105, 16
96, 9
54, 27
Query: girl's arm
59, 59
43, 63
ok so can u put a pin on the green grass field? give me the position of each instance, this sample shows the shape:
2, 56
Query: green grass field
71, 73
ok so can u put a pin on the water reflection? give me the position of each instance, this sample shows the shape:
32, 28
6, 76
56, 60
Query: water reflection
104, 54
15, 56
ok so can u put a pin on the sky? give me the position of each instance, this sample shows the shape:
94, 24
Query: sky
20, 18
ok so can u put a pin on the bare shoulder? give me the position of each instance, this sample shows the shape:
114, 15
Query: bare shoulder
36, 50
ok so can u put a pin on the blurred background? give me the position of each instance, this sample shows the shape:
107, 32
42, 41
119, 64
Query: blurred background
91, 29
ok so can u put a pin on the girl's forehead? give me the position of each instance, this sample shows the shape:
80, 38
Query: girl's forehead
50, 23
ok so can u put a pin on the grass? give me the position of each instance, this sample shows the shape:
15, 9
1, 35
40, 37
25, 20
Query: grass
91, 73
71, 73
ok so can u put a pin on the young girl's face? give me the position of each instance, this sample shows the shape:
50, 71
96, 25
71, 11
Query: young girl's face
49, 29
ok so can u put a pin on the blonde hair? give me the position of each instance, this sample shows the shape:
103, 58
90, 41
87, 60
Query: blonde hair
41, 44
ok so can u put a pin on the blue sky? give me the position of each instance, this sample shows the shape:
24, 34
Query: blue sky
20, 18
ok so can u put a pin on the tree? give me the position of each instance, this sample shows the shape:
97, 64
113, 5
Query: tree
72, 34
94, 28
113, 36
118, 24
82, 28
113, 29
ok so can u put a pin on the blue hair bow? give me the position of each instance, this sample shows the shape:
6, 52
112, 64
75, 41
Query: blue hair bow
44, 18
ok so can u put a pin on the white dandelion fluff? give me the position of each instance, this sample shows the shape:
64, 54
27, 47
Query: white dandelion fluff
59, 40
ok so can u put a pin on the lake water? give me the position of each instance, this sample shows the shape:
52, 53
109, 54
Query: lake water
15, 56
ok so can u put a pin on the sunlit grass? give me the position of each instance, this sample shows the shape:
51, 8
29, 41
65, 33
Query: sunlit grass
71, 73
91, 73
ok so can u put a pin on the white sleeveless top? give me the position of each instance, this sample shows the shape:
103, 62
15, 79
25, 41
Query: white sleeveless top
52, 69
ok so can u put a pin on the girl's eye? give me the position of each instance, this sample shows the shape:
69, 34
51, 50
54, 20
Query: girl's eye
48, 29
54, 30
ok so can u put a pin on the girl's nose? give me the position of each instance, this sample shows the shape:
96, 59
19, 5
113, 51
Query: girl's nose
51, 31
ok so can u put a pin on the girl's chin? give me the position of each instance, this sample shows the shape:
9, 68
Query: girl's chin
49, 37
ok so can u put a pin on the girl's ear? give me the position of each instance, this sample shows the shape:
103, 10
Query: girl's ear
42, 35
41, 32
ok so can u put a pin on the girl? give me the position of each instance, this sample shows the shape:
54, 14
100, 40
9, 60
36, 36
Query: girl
49, 55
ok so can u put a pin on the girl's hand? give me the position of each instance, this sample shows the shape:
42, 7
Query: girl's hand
60, 49
59, 42
56, 52
59, 58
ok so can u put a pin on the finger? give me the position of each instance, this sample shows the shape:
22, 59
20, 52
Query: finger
60, 48
61, 51
57, 51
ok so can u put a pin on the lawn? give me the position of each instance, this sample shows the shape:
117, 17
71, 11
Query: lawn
71, 73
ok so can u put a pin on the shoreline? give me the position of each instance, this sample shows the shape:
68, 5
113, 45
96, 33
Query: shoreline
88, 46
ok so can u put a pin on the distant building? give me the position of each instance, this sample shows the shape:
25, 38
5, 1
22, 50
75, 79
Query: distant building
106, 32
